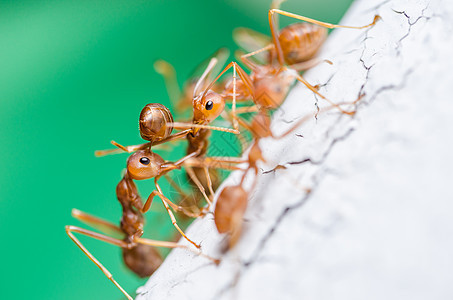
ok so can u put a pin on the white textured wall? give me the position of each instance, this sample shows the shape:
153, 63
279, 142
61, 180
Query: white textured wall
379, 221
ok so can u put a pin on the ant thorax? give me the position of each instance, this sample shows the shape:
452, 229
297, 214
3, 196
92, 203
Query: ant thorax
271, 88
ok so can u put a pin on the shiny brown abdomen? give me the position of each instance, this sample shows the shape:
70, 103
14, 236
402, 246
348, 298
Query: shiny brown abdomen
143, 260
301, 41
153, 122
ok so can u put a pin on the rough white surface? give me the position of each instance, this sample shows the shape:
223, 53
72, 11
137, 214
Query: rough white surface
378, 223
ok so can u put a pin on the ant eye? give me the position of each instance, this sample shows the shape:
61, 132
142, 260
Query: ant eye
145, 160
209, 105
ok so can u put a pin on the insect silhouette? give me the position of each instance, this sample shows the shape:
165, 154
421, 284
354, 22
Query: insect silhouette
139, 254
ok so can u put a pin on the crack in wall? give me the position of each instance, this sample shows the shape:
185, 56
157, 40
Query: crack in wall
422, 16
262, 243
310, 160
320, 174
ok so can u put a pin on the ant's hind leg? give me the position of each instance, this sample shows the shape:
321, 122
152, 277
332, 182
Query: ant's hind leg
97, 223
245, 57
209, 181
73, 229
167, 71
319, 23
165, 244
303, 66
197, 182
182, 125
274, 27
315, 90
165, 201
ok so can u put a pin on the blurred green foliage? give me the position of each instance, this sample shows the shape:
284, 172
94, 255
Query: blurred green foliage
73, 76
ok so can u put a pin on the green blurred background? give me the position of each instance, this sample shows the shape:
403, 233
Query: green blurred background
73, 76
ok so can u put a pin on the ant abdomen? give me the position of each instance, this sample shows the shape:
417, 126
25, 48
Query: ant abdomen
230, 208
143, 260
153, 121
301, 41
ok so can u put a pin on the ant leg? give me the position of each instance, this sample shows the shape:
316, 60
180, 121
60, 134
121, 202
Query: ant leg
244, 77
181, 125
208, 179
176, 186
274, 27
200, 82
224, 159
167, 71
101, 237
314, 90
246, 110
95, 222
302, 66
173, 137
197, 182
210, 162
166, 203
305, 118
134, 148
320, 23
172, 217
185, 198
175, 207
276, 5
121, 149
165, 244
251, 64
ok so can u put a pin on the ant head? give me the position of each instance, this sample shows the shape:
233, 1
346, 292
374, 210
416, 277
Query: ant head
144, 164
153, 122
207, 107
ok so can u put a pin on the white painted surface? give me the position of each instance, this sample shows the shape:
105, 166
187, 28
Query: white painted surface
379, 221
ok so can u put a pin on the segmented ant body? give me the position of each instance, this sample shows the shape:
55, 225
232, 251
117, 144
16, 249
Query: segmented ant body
292, 50
156, 125
268, 85
232, 201
139, 254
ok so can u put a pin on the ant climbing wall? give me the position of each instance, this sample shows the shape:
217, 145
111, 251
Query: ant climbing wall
346, 207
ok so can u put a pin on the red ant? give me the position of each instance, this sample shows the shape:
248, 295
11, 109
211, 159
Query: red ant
182, 99
139, 254
295, 45
232, 201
